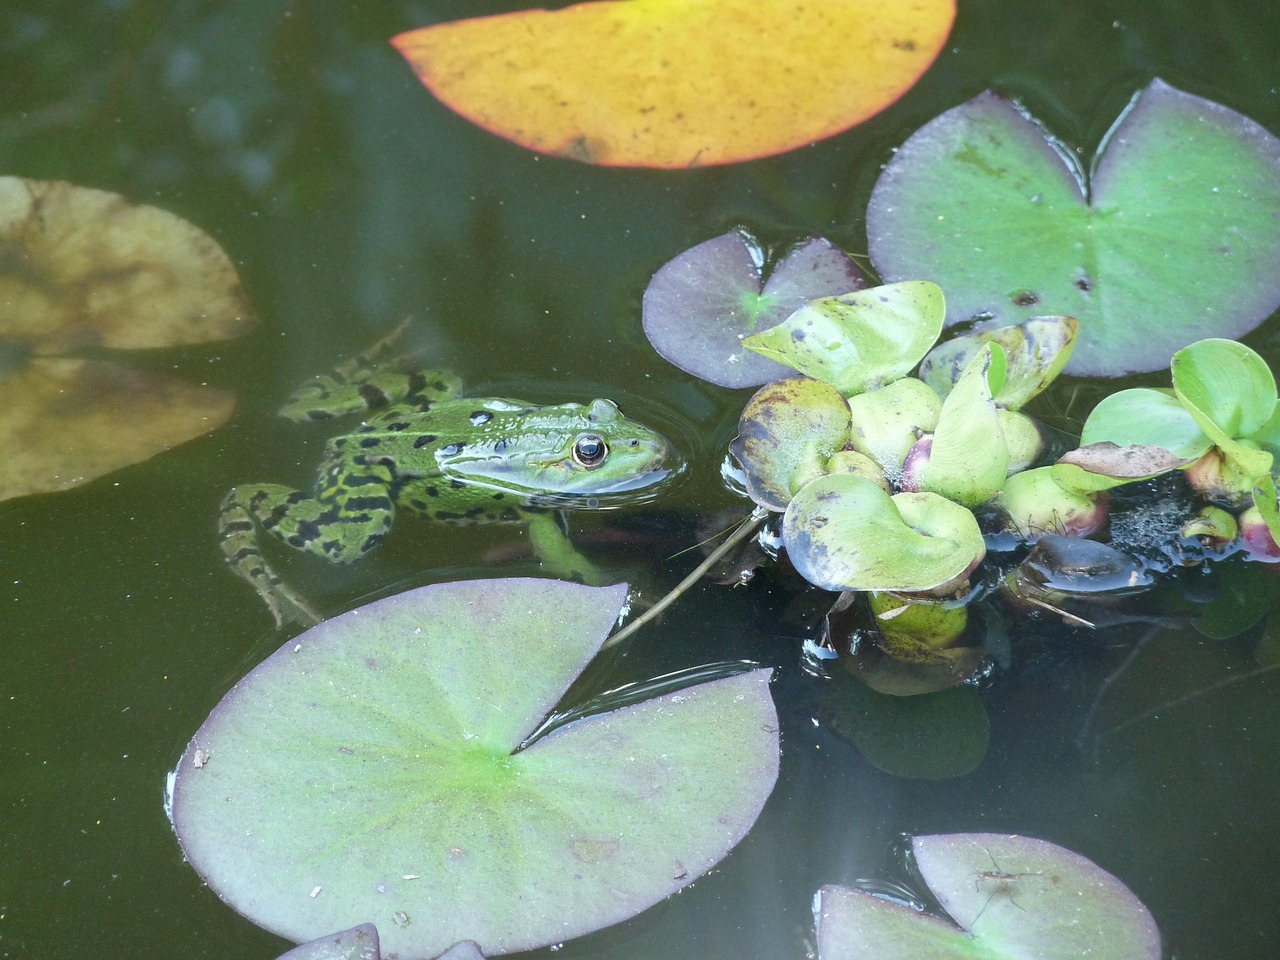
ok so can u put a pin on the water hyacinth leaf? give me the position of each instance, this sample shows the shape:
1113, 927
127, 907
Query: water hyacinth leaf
700, 305
358, 943
1034, 504
1142, 416
375, 767
888, 421
860, 340
678, 83
1037, 350
1230, 393
1101, 466
1022, 897
968, 459
844, 533
788, 433
86, 268
980, 201
68, 421
1265, 501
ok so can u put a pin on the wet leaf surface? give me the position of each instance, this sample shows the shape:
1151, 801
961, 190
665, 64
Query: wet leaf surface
699, 306
678, 83
1178, 239
379, 760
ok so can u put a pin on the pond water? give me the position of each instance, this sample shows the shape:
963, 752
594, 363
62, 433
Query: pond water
350, 199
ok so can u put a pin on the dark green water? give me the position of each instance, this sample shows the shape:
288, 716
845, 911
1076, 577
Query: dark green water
349, 199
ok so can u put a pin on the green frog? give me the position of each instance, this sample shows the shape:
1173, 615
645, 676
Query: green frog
425, 448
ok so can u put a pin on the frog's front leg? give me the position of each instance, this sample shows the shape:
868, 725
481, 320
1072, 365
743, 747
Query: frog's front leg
558, 555
341, 525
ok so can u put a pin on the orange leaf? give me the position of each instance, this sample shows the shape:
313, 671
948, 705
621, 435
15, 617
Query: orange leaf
679, 83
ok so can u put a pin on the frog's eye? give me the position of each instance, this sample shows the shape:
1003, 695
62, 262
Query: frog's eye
590, 451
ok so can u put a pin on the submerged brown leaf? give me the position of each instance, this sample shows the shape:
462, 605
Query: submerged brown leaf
85, 269
82, 267
68, 421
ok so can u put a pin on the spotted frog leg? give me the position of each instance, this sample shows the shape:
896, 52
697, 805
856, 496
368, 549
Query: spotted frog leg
364, 382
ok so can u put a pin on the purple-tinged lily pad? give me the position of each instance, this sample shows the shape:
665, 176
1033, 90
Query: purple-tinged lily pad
1175, 237
375, 769
699, 306
358, 943
1014, 898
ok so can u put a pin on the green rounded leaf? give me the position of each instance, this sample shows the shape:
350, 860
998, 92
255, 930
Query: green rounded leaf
1142, 416
860, 340
376, 769
969, 457
842, 532
788, 432
1175, 235
1230, 393
888, 421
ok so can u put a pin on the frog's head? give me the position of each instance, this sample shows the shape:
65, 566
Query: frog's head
572, 455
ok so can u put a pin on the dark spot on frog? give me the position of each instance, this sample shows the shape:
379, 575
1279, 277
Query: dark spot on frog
510, 515
499, 496
367, 503
296, 497
369, 442
319, 415
480, 417
1025, 298
433, 491
398, 426
416, 382
456, 484
361, 480
425, 440
371, 395
419, 505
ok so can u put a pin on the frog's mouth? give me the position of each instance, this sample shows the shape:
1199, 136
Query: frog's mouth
625, 492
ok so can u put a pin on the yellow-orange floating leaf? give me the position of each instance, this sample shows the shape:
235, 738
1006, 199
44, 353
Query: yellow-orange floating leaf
86, 268
679, 83
69, 421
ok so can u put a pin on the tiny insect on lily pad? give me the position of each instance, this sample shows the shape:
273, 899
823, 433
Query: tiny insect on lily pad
85, 270
383, 767
1175, 234
678, 83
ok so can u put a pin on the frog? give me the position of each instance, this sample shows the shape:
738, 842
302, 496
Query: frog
425, 447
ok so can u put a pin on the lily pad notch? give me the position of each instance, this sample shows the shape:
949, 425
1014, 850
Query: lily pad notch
374, 770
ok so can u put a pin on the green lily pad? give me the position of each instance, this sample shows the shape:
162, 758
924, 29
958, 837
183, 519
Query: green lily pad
699, 306
1175, 235
843, 532
358, 943
860, 340
376, 769
1014, 898
788, 432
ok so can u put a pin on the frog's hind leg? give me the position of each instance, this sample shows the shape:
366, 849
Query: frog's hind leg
374, 379
341, 527
238, 537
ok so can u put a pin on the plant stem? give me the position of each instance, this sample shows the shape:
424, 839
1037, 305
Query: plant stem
749, 525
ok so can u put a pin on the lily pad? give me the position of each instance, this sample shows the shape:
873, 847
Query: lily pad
699, 306
788, 433
858, 341
678, 83
1014, 898
84, 269
1175, 235
376, 769
358, 943
843, 532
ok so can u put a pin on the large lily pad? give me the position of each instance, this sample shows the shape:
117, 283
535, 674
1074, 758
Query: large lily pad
1014, 898
699, 306
84, 269
375, 770
1175, 236
678, 83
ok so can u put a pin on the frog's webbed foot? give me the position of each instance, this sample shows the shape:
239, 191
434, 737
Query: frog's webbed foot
558, 555
374, 379
239, 541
